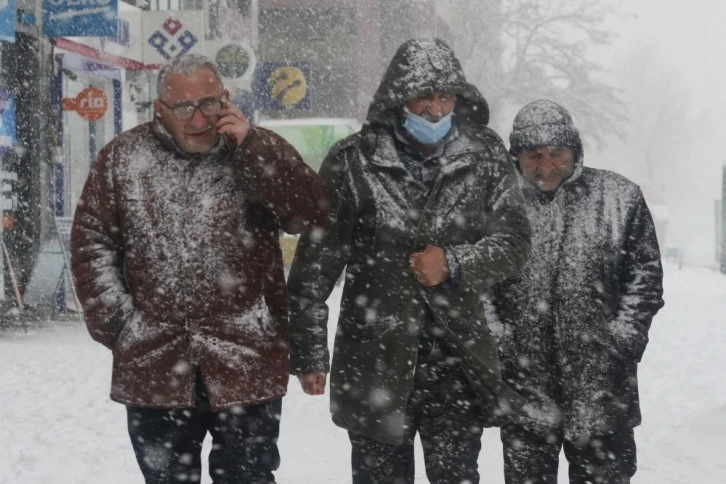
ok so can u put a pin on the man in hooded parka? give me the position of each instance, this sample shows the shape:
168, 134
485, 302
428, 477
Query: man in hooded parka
426, 214
573, 325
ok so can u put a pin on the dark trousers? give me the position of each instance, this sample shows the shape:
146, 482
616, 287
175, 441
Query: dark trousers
168, 443
444, 411
533, 458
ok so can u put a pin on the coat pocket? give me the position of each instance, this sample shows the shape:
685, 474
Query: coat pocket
380, 328
254, 326
267, 324
368, 329
125, 340
604, 337
139, 338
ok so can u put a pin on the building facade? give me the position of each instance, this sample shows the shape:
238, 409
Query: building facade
73, 94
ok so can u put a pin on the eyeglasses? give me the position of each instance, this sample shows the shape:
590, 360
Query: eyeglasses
185, 111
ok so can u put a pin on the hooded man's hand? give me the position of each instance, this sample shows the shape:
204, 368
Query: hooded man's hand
430, 267
313, 383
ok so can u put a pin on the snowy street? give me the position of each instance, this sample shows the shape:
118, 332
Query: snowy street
59, 426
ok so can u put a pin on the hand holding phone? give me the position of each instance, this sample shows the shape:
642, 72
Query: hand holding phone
232, 124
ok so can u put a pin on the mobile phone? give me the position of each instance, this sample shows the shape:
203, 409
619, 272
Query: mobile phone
229, 139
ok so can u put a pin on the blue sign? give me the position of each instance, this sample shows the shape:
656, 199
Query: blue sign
7, 121
282, 86
26, 18
7, 20
122, 37
80, 18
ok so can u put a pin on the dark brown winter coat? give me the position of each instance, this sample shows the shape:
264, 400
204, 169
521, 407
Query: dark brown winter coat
178, 265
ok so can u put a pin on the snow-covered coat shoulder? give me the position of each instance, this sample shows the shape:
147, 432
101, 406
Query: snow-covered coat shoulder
178, 265
574, 323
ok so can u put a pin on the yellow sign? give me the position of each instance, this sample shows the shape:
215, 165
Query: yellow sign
288, 85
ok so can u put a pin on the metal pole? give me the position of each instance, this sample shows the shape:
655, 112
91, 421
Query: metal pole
723, 222
13, 277
717, 234
254, 22
2, 242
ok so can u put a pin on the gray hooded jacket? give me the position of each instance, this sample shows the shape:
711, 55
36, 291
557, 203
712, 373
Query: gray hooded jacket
573, 325
379, 216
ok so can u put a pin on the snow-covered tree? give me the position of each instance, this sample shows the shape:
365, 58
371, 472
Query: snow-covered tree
663, 123
518, 51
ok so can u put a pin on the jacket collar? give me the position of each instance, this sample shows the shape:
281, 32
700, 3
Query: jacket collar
378, 147
533, 193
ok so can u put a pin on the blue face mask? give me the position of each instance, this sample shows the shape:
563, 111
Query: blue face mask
424, 130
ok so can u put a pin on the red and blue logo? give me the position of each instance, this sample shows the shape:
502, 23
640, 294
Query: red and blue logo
172, 40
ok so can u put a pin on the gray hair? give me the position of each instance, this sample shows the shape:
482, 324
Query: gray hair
186, 64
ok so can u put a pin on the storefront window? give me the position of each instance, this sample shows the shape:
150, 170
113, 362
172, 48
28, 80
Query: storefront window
83, 138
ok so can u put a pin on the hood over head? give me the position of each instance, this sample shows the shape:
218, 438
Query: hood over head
422, 66
545, 123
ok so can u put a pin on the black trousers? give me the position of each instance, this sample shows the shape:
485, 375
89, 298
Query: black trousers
168, 443
444, 411
533, 458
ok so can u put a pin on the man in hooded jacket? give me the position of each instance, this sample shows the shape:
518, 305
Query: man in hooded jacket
425, 215
573, 325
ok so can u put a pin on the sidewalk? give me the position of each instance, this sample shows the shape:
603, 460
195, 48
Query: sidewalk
31, 317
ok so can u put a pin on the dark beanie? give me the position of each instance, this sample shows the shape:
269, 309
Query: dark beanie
544, 123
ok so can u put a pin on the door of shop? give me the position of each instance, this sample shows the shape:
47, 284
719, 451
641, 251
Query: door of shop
90, 118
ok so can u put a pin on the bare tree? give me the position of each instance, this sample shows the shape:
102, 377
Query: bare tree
664, 126
522, 50
476, 37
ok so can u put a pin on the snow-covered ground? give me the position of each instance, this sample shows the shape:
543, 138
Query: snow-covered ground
58, 426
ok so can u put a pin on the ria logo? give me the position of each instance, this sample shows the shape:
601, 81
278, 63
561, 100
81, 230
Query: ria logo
91, 104
172, 41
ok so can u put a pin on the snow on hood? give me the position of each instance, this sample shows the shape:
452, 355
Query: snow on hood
422, 66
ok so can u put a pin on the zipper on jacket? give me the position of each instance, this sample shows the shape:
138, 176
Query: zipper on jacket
431, 196
188, 175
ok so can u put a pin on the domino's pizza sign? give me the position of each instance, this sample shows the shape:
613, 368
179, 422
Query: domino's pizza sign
170, 36
172, 40
80, 18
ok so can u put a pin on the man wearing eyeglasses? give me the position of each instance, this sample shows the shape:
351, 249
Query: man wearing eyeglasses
573, 325
177, 263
